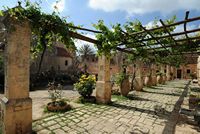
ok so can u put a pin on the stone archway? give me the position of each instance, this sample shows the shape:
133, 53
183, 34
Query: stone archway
16, 104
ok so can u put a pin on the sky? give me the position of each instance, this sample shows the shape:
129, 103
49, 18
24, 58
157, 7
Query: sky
88, 12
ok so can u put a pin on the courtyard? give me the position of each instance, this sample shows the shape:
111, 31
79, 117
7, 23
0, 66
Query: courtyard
155, 110
110, 69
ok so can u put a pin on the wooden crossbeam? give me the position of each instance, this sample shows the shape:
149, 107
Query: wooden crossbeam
84, 29
172, 34
165, 28
170, 25
137, 39
148, 32
82, 37
179, 40
124, 50
185, 25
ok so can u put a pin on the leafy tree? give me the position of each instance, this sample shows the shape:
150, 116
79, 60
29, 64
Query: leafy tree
46, 28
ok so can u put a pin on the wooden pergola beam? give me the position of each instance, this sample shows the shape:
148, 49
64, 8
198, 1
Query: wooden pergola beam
170, 25
84, 29
82, 37
172, 34
152, 36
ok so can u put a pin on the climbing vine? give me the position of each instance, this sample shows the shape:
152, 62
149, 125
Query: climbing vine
46, 28
120, 36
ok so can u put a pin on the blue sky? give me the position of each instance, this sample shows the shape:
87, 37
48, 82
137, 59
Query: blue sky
86, 12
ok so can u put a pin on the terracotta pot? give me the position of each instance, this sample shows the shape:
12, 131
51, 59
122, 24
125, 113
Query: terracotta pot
138, 84
147, 81
125, 87
159, 79
163, 79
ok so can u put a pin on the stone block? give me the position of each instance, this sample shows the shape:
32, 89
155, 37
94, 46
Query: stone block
103, 92
17, 116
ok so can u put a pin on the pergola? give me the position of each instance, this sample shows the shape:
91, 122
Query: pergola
175, 40
17, 103
168, 44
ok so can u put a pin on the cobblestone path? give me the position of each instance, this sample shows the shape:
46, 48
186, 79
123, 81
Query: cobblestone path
150, 111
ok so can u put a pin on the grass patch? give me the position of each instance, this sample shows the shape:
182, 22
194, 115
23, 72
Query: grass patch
120, 97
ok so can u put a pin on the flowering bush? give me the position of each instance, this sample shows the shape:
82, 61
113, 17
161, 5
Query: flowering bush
85, 85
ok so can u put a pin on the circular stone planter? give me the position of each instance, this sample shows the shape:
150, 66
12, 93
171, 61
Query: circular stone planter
90, 99
58, 106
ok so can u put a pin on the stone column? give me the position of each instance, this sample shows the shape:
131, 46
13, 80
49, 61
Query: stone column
138, 82
198, 70
16, 104
153, 74
172, 72
162, 69
168, 71
103, 85
147, 79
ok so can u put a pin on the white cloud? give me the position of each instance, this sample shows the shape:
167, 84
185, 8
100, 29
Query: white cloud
144, 6
150, 24
80, 43
59, 5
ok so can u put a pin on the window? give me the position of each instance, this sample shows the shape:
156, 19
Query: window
66, 63
188, 71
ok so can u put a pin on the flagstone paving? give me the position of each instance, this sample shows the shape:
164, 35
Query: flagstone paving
152, 111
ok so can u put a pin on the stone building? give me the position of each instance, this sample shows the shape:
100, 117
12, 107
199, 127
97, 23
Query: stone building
190, 68
182, 72
59, 58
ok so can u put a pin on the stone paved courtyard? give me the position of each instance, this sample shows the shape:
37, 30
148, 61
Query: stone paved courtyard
153, 111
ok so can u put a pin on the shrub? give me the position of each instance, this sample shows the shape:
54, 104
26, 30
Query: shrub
119, 78
55, 91
159, 73
85, 86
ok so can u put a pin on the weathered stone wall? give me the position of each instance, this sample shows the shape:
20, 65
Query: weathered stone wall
198, 70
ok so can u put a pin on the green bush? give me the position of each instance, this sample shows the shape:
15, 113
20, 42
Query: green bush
86, 85
119, 78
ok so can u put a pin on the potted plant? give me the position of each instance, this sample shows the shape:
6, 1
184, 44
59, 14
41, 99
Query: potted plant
57, 104
147, 80
85, 87
159, 77
122, 80
194, 99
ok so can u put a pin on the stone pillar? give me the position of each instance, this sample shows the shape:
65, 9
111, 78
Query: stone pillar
198, 70
175, 73
147, 79
103, 85
153, 74
138, 82
168, 71
172, 72
16, 104
162, 69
